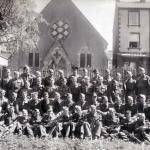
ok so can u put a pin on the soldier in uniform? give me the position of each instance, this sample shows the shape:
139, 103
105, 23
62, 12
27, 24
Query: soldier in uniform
75, 89
142, 83
22, 125
107, 77
102, 89
58, 82
129, 86
3, 101
47, 80
38, 129
131, 106
68, 102
96, 76
63, 89
51, 88
82, 102
38, 87
104, 104
49, 121
34, 103
45, 103
74, 74
57, 103
15, 83
94, 118
5, 80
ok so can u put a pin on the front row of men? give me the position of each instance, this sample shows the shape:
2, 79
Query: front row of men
57, 118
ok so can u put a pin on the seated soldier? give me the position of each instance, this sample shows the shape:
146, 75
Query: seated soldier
45, 103
104, 105
82, 102
34, 103
23, 101
49, 121
127, 127
142, 106
119, 107
57, 103
10, 116
68, 102
38, 129
75, 89
38, 87
131, 106
64, 126
141, 128
51, 88
25, 88
94, 100
110, 123
23, 124
79, 124
14, 102
94, 118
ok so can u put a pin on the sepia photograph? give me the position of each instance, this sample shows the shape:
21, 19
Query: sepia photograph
74, 74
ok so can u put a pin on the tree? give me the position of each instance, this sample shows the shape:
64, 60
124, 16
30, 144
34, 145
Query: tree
19, 29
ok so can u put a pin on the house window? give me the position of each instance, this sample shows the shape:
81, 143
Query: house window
134, 40
34, 59
30, 59
133, 18
85, 60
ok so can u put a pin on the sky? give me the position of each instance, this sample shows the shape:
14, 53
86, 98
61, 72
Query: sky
99, 12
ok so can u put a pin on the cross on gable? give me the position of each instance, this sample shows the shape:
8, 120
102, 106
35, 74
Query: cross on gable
57, 54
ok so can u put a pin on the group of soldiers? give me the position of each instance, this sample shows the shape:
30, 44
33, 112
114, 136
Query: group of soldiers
76, 106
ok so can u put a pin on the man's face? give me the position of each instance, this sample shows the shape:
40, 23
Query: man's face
82, 97
93, 109
69, 97
141, 72
130, 101
16, 75
51, 73
52, 81
57, 96
46, 96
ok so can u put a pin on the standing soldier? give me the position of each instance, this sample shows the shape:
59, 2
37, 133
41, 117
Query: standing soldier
75, 89
63, 89
58, 82
96, 76
47, 80
15, 83
5, 80
51, 88
3, 102
129, 86
142, 83
107, 77
74, 74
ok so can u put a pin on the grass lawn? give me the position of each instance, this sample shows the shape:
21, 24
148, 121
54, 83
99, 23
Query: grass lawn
12, 142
